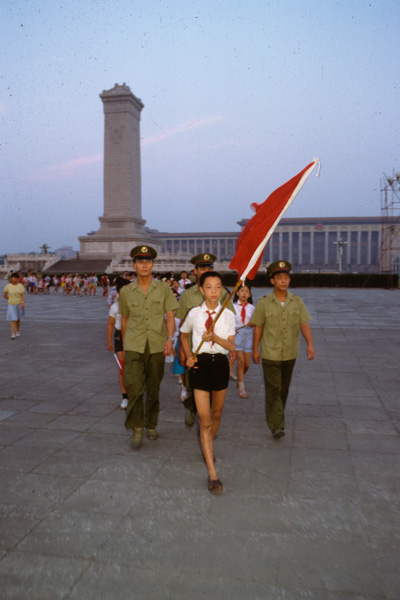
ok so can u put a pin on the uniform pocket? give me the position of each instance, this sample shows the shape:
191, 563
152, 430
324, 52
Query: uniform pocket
157, 307
273, 315
294, 317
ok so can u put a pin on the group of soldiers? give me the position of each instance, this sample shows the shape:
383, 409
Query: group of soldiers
148, 310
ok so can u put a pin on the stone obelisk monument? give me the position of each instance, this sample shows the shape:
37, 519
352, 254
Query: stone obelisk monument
122, 226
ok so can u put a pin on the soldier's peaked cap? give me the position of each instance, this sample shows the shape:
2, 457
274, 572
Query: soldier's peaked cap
203, 260
280, 266
143, 252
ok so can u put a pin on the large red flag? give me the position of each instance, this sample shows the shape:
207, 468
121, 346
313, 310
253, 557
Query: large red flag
257, 231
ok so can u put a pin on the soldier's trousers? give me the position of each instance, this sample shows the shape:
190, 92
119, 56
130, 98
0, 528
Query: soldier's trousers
277, 377
143, 373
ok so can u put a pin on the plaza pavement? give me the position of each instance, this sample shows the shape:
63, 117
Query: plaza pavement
314, 515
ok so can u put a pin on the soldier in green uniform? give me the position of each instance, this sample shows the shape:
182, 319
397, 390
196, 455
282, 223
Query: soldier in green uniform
278, 319
189, 299
147, 325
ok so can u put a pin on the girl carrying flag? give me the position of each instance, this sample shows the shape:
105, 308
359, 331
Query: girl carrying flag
209, 374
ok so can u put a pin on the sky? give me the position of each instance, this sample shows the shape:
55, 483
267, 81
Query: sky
239, 95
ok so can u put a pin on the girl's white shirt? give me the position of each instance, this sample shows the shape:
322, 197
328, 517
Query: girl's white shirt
249, 308
114, 313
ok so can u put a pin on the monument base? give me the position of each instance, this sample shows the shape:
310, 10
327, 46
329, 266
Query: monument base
112, 246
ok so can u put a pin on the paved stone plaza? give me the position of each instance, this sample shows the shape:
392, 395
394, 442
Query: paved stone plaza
314, 515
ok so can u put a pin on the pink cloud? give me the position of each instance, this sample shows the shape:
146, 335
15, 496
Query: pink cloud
72, 167
182, 128
66, 169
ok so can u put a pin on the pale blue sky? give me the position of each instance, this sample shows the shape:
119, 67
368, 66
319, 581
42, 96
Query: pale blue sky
239, 96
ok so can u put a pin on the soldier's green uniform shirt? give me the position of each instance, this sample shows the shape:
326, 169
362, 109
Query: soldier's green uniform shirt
146, 315
281, 325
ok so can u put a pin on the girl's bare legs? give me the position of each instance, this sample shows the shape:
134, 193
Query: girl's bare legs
202, 400
243, 363
210, 419
231, 367
240, 365
217, 405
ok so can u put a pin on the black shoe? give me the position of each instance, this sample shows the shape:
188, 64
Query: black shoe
190, 417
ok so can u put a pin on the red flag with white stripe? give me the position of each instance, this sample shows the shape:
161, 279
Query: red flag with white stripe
256, 233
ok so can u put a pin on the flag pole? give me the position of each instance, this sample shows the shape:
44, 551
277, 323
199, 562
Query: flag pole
256, 256
238, 284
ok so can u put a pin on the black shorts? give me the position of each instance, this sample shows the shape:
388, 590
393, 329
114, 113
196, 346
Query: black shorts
211, 373
118, 347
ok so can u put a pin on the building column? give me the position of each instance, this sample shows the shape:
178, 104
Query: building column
369, 250
290, 259
300, 248
379, 248
326, 248
312, 248
347, 247
358, 247
339, 237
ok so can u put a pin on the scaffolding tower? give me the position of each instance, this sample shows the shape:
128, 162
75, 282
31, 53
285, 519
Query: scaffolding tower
390, 229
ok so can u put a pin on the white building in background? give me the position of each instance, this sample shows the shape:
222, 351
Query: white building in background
309, 244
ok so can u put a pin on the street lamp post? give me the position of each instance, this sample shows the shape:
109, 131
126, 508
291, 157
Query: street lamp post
340, 244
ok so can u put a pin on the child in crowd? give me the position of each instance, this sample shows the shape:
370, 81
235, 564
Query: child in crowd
56, 284
33, 283
47, 284
209, 371
183, 281
105, 283
68, 284
175, 288
77, 284
95, 284
85, 281
114, 331
14, 292
177, 368
63, 281
91, 283
113, 292
40, 286
244, 308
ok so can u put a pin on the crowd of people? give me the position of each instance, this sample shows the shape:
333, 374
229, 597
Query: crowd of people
192, 322
35, 282
87, 284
